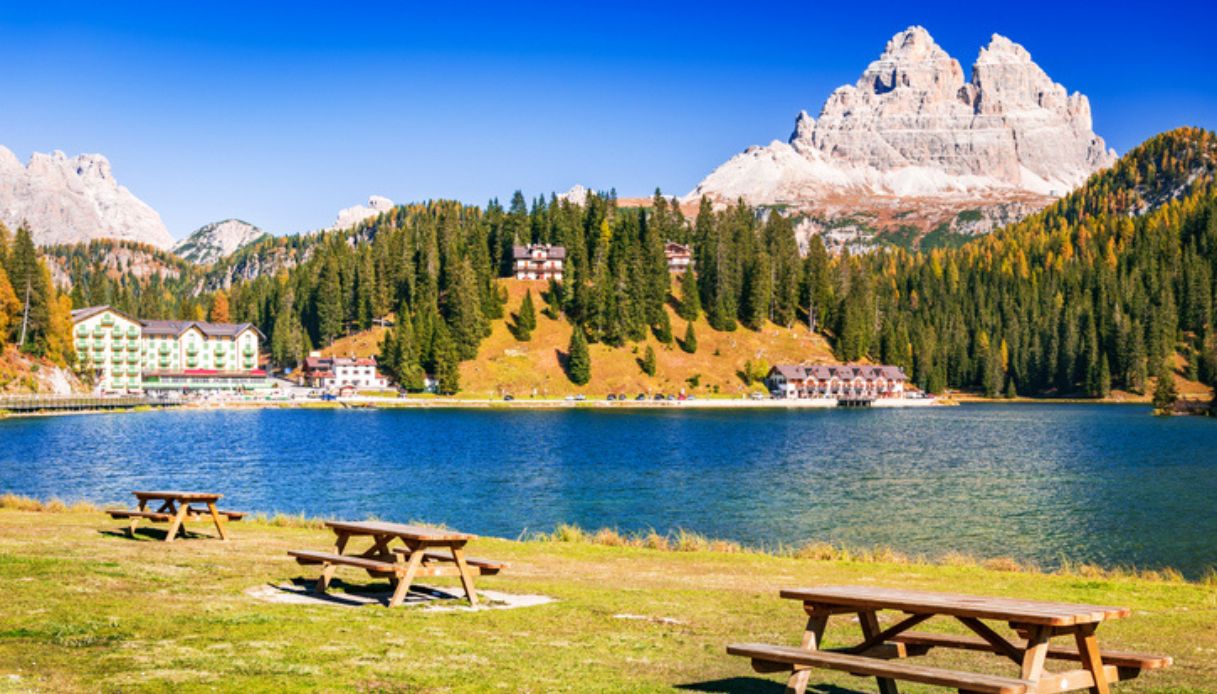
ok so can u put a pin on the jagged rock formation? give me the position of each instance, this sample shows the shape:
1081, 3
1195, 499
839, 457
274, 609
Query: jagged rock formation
913, 143
351, 216
72, 200
217, 240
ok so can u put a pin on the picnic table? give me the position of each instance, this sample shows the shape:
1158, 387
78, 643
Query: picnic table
174, 508
881, 650
401, 565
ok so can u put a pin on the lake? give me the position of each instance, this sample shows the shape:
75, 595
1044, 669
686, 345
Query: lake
1109, 485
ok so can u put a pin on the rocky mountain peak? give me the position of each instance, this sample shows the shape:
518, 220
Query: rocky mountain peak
351, 216
912, 128
74, 199
218, 240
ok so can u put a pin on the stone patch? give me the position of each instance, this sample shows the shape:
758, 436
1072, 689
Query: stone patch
426, 598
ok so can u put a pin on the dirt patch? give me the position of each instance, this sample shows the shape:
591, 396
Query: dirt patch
427, 598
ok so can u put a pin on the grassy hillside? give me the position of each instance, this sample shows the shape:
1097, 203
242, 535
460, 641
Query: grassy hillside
87, 609
506, 365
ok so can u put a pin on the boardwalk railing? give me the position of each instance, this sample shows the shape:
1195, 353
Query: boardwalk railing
52, 403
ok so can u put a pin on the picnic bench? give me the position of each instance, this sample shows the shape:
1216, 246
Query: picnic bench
401, 565
175, 508
882, 652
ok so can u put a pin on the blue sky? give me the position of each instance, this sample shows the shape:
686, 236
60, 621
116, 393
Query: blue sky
282, 114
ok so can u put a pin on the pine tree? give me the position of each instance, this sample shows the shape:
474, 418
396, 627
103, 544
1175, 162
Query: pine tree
1164, 392
689, 343
663, 329
329, 302
578, 360
648, 362
447, 360
689, 307
29, 281
525, 319
463, 311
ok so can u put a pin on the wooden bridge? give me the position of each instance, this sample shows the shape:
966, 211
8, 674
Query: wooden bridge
75, 403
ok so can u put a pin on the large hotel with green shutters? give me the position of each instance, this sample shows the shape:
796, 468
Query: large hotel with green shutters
127, 355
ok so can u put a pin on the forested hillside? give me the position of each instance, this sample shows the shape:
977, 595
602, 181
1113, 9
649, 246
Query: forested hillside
1094, 293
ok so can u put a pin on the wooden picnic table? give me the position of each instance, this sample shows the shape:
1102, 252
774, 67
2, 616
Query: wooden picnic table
1034, 623
400, 564
175, 507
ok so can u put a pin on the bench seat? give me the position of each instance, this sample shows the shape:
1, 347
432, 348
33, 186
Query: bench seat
1120, 659
155, 516
230, 515
793, 657
310, 557
485, 566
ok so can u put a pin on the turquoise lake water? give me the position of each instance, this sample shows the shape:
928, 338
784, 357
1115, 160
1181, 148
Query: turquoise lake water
1105, 484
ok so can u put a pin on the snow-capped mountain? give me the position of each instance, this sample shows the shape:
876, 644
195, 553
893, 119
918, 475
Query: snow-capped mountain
913, 142
212, 242
74, 199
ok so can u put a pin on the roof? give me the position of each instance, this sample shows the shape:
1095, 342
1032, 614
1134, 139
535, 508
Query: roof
88, 312
523, 252
178, 327
823, 372
674, 248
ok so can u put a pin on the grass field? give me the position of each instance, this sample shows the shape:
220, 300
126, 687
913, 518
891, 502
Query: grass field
86, 609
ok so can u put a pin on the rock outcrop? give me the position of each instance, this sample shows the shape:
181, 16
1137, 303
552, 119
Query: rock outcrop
74, 199
912, 130
351, 216
217, 240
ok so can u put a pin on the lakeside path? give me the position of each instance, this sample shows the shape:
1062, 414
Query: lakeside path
86, 609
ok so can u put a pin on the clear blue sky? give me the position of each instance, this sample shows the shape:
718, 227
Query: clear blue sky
283, 114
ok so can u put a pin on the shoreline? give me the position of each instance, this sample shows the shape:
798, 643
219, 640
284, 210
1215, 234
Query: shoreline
406, 403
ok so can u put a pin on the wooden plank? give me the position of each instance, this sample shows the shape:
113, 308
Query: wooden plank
898, 670
150, 515
178, 495
813, 639
414, 532
215, 518
1120, 659
458, 554
955, 604
995, 640
487, 565
1035, 653
344, 559
403, 586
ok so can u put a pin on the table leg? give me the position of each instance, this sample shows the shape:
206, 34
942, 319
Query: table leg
143, 506
1035, 652
458, 555
870, 628
403, 585
323, 583
1088, 648
179, 516
341, 544
215, 517
813, 637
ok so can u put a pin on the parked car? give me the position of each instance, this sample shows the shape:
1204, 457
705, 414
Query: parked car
611, 396
328, 397
641, 396
757, 396
509, 397
580, 397
660, 396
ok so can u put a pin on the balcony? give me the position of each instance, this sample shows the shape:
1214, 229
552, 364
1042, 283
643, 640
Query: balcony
164, 350
132, 331
107, 319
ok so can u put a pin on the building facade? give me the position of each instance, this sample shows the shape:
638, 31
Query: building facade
108, 345
846, 381
679, 257
538, 262
338, 373
129, 355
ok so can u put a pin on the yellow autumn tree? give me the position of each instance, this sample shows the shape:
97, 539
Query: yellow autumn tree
219, 308
10, 307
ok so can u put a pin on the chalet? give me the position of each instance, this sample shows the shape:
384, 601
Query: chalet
848, 381
538, 261
344, 374
679, 256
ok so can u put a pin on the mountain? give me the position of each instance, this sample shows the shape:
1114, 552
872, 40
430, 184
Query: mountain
351, 216
72, 200
217, 240
913, 147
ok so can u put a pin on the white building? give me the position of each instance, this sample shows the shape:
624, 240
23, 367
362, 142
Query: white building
108, 345
846, 381
538, 261
337, 373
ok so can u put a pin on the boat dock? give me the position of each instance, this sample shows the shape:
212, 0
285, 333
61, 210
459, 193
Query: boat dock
75, 403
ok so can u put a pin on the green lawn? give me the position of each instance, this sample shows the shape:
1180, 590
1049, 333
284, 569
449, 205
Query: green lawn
83, 608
